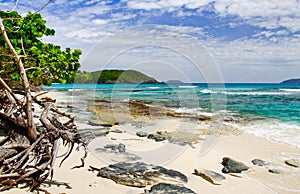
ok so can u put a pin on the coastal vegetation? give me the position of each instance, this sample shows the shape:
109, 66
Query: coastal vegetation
113, 76
291, 81
29, 122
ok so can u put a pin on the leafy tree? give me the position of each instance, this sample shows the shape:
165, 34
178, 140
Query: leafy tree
44, 62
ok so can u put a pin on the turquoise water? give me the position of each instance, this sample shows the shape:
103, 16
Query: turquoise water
279, 101
270, 110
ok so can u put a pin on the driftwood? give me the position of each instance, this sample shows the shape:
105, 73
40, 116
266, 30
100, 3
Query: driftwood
28, 149
31, 162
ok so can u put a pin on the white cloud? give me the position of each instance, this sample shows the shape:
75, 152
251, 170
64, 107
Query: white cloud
100, 21
81, 24
270, 14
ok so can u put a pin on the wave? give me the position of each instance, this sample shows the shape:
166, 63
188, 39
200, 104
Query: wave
77, 90
246, 93
275, 131
153, 88
255, 93
290, 90
187, 86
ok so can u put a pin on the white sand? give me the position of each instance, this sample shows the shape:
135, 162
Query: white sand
240, 147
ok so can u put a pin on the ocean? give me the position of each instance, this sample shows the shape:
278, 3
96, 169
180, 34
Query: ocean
271, 111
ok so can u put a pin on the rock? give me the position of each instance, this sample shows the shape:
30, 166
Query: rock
157, 137
292, 162
108, 123
275, 171
141, 134
210, 176
116, 131
164, 188
233, 166
116, 147
259, 162
139, 174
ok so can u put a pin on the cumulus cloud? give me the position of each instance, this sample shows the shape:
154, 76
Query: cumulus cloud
270, 38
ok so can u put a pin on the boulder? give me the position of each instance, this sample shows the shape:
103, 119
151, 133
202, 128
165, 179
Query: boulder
259, 162
233, 166
139, 174
157, 137
116, 131
165, 188
292, 162
116, 147
275, 171
211, 176
141, 134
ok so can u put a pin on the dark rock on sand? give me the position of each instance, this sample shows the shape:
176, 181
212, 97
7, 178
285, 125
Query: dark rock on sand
116, 147
141, 134
259, 162
116, 131
211, 176
233, 166
164, 188
292, 162
275, 171
157, 137
139, 174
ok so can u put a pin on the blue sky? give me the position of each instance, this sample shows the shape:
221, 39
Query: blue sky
239, 40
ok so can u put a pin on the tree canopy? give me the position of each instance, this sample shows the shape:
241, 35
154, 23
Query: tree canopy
113, 76
44, 62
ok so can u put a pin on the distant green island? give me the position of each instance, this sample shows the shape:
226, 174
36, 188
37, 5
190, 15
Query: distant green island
291, 81
113, 76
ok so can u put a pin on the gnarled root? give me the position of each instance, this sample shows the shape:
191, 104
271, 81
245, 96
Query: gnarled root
31, 163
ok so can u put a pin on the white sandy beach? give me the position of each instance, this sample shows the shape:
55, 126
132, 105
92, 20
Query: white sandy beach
242, 147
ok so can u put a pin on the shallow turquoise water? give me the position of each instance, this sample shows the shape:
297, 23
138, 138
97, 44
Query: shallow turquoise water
271, 111
276, 101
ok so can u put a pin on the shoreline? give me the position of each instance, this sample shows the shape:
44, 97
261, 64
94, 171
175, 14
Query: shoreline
255, 180
175, 153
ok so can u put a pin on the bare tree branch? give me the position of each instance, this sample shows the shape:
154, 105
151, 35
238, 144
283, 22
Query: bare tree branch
31, 129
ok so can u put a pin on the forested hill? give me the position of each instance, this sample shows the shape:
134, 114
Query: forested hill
291, 81
113, 76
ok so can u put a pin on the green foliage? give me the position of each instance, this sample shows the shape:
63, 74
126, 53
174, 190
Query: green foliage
114, 76
44, 62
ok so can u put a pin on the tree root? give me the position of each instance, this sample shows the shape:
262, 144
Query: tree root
32, 163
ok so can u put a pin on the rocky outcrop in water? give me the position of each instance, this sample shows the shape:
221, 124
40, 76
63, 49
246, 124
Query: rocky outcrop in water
233, 166
164, 188
139, 174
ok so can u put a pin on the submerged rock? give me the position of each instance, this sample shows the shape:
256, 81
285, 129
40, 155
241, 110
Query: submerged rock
233, 166
164, 188
292, 162
211, 176
141, 134
139, 174
259, 162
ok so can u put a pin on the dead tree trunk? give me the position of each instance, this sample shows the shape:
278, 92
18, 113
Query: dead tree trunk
28, 153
